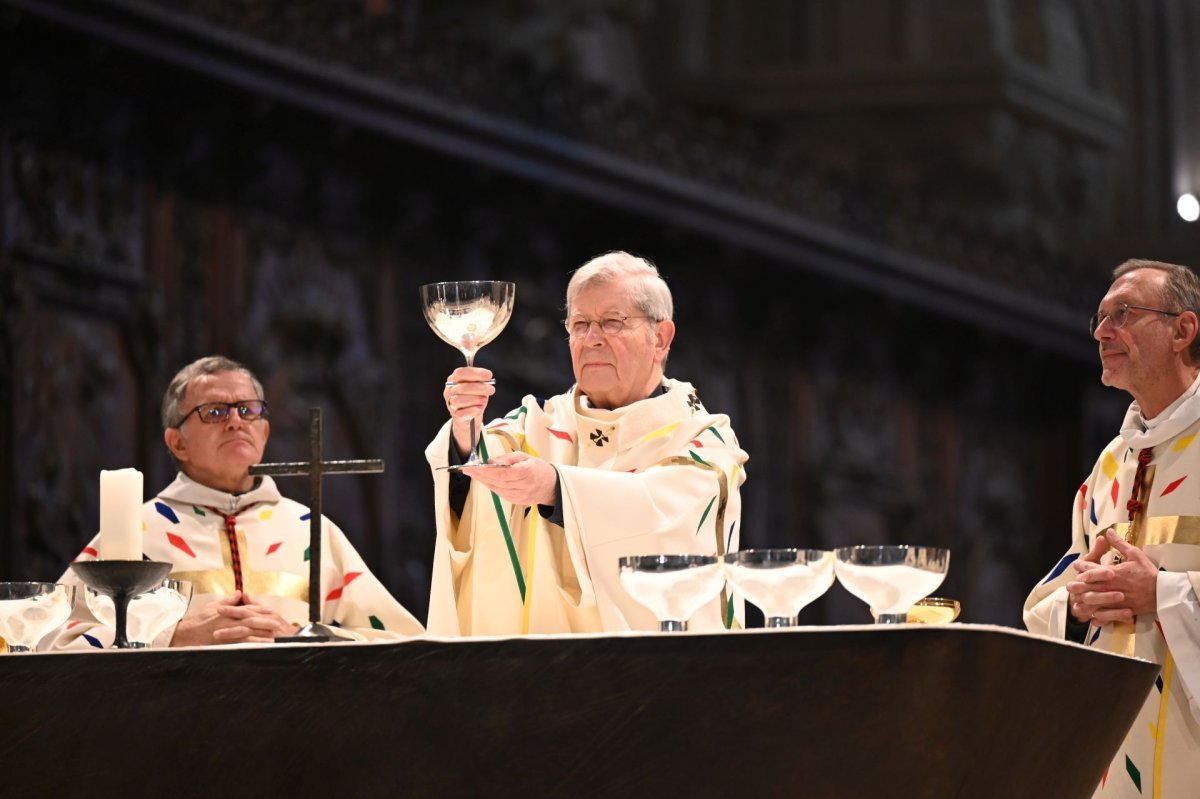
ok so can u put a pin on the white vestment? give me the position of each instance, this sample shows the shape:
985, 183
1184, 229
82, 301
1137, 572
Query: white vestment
187, 525
1161, 752
659, 476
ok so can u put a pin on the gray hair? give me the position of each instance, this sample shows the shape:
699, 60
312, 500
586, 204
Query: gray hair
172, 403
1180, 292
650, 292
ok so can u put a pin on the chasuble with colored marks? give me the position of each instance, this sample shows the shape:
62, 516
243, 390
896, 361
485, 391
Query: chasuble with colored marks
660, 476
258, 541
1160, 756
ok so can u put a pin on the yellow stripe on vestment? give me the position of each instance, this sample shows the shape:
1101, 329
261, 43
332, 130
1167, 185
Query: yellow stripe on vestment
509, 439
1109, 465
733, 475
1155, 531
525, 447
1183, 443
529, 581
1161, 738
660, 432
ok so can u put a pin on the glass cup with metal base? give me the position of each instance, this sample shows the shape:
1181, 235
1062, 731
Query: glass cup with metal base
672, 586
780, 582
890, 579
31, 611
468, 314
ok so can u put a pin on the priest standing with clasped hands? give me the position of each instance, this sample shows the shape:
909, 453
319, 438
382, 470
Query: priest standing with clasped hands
1129, 582
626, 462
242, 545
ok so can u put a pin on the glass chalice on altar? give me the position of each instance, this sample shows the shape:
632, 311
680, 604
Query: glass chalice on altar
891, 579
149, 613
31, 611
780, 582
467, 315
673, 587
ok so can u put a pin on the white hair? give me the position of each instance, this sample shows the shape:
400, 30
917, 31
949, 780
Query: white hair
649, 290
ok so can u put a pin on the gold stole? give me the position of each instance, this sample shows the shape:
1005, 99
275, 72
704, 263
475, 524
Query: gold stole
1143, 532
221, 581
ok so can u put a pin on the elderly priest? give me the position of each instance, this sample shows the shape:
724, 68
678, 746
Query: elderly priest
627, 462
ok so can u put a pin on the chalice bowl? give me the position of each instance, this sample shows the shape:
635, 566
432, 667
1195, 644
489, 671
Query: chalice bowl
673, 587
780, 582
467, 315
31, 611
149, 613
934, 610
891, 579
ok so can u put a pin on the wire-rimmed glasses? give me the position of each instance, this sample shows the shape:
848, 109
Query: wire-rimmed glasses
615, 325
1121, 314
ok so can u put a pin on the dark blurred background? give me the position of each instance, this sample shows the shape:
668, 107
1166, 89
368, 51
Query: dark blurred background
885, 223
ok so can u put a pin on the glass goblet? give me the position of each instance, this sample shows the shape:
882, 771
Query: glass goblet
30, 611
149, 613
780, 582
891, 579
672, 586
468, 314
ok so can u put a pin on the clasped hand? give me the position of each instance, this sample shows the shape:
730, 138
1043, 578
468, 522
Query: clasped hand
1108, 592
234, 619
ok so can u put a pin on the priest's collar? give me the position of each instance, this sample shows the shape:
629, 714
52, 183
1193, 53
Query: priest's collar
1140, 432
185, 489
585, 402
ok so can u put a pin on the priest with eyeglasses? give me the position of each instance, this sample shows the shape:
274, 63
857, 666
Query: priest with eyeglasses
1129, 582
625, 462
242, 544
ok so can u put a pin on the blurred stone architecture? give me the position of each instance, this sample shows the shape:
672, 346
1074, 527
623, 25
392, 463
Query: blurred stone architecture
885, 223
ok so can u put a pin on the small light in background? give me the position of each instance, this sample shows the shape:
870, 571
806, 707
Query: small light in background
1188, 207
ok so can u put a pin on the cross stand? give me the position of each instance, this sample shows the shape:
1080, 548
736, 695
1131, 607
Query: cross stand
315, 468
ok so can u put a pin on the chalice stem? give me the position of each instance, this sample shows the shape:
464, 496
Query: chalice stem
121, 606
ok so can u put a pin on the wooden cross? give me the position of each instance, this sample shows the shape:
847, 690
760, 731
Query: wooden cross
315, 468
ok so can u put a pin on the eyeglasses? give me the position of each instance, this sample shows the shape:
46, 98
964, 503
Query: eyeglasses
217, 412
609, 326
1119, 316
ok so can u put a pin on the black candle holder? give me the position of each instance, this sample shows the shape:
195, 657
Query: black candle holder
122, 580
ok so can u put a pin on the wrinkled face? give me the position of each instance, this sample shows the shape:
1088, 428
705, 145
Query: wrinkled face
1138, 354
219, 455
617, 369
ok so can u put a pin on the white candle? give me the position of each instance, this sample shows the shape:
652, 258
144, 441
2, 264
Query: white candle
121, 514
